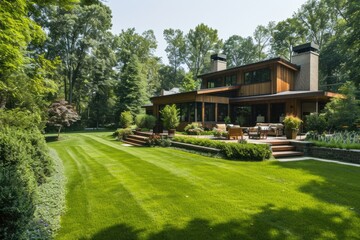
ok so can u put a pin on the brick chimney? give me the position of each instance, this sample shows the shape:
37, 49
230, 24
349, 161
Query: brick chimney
307, 57
218, 62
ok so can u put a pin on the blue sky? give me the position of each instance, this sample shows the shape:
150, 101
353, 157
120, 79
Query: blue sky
229, 17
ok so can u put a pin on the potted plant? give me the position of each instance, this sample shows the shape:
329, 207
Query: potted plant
292, 125
170, 118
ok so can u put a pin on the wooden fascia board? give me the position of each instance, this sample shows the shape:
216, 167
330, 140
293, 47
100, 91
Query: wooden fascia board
309, 95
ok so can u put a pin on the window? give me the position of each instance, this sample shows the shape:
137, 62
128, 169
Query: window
199, 111
222, 112
209, 112
211, 84
230, 80
215, 83
258, 76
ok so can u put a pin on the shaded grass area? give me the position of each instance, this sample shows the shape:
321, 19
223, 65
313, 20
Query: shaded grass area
117, 192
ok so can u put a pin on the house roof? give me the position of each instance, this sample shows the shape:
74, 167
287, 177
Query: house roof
203, 91
278, 60
286, 95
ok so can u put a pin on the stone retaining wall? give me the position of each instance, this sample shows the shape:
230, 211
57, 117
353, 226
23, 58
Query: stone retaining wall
343, 155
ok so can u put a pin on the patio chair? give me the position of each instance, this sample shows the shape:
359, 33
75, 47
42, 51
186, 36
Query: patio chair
235, 132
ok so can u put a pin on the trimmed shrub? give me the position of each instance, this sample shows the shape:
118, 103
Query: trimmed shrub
18, 184
145, 121
122, 133
194, 129
234, 151
316, 122
126, 119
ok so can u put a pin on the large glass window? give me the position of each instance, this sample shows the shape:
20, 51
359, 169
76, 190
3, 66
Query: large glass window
222, 112
215, 83
230, 80
258, 76
209, 112
199, 111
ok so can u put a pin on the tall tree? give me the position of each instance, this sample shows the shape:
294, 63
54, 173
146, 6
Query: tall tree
100, 83
200, 43
286, 34
175, 49
317, 20
262, 37
239, 50
25, 78
132, 87
72, 36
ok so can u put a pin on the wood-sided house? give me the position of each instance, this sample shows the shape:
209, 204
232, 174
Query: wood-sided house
264, 91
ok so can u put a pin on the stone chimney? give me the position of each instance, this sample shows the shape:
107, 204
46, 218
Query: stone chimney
218, 62
307, 57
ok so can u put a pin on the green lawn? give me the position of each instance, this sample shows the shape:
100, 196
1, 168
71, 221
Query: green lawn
117, 192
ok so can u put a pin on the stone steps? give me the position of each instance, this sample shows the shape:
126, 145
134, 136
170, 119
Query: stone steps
283, 149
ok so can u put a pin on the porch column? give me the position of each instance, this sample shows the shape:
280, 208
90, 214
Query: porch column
268, 112
203, 113
216, 111
195, 104
317, 106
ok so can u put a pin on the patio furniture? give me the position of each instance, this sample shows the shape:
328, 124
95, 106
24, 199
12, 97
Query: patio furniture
258, 132
235, 132
274, 129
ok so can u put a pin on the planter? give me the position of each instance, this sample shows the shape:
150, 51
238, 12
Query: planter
291, 133
171, 132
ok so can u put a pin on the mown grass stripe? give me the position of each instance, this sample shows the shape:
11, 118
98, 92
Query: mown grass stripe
157, 193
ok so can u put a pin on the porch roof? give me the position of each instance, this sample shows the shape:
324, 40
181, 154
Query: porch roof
191, 96
286, 95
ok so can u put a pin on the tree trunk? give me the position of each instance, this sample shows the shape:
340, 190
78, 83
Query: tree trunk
58, 137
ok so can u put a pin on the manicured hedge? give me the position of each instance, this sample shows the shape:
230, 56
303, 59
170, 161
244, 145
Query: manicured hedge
234, 151
27, 183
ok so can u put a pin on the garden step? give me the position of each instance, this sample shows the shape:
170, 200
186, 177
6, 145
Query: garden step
136, 140
145, 134
138, 137
279, 148
278, 142
287, 154
132, 143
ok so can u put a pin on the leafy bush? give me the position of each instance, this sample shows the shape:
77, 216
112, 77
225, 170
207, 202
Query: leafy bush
345, 140
157, 140
292, 122
24, 165
126, 119
235, 151
344, 111
194, 129
145, 121
218, 132
316, 122
122, 133
170, 116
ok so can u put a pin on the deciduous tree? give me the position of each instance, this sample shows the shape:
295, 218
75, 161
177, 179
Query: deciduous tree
61, 114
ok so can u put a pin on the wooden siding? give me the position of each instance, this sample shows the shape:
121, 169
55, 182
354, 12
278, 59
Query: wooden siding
284, 79
212, 99
256, 89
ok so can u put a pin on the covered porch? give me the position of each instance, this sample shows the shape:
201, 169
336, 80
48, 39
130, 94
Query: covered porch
206, 106
273, 108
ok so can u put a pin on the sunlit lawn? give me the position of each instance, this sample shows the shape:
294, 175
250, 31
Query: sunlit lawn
117, 192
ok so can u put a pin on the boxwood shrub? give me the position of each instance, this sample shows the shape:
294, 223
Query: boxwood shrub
234, 151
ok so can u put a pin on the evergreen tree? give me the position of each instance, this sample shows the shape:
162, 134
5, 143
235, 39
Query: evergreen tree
132, 87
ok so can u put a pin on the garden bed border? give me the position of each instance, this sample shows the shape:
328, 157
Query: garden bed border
342, 155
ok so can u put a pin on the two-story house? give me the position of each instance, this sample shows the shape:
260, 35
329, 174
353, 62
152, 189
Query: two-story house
265, 91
